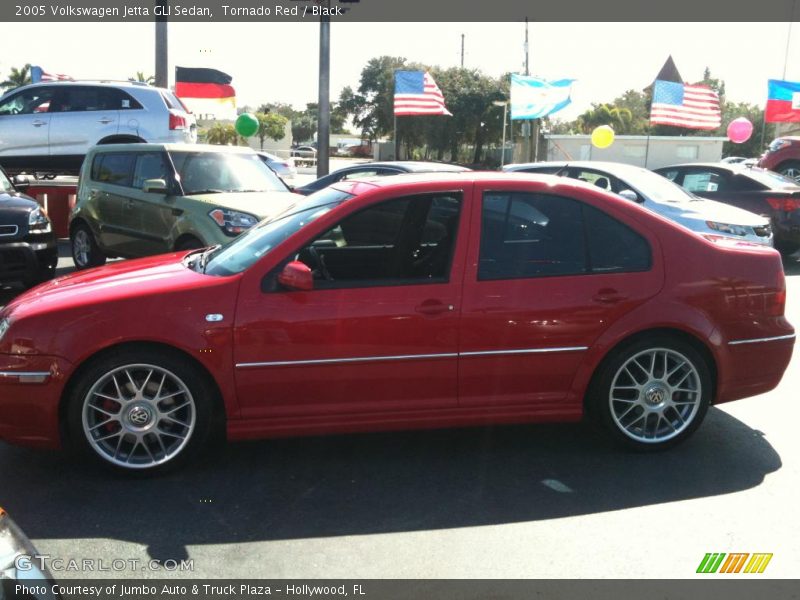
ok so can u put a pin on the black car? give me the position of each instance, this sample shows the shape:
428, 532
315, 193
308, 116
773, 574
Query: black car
376, 169
751, 188
28, 251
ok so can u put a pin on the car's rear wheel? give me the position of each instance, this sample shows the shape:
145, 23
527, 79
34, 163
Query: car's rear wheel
140, 411
787, 248
652, 394
85, 251
790, 169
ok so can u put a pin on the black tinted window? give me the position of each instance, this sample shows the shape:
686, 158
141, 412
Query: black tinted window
530, 235
538, 235
150, 165
113, 168
408, 240
613, 246
34, 100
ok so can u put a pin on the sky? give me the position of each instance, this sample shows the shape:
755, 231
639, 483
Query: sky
278, 62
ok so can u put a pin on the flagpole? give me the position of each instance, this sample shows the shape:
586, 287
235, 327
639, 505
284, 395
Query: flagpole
647, 146
396, 145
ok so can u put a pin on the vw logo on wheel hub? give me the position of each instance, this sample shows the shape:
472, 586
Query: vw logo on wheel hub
139, 416
655, 395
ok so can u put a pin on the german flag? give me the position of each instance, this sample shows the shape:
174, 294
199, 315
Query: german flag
205, 91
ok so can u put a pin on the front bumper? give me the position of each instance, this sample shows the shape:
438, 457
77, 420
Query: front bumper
30, 392
25, 260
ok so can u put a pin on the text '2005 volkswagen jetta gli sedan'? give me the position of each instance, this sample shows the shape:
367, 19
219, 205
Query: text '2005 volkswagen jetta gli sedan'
414, 301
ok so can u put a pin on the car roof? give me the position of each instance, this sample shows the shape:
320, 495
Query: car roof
459, 177
100, 83
175, 147
599, 165
411, 166
732, 167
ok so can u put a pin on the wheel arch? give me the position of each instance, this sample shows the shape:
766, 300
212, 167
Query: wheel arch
219, 413
691, 338
187, 235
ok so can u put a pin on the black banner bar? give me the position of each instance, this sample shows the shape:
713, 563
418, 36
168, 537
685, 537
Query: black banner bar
399, 11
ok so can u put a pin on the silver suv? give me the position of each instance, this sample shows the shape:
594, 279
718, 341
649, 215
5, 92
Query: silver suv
49, 127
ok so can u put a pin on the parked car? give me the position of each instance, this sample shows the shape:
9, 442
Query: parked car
283, 168
783, 156
377, 169
705, 217
18, 567
49, 127
416, 301
28, 250
757, 190
739, 160
303, 151
141, 199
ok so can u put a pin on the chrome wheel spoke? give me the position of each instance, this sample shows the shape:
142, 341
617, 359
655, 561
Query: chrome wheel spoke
154, 419
644, 382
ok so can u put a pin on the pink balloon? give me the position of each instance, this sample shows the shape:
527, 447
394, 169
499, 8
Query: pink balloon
740, 130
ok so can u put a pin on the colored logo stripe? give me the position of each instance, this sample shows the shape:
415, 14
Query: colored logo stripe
733, 564
758, 563
710, 562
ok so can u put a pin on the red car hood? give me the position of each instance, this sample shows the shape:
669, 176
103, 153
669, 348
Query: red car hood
127, 279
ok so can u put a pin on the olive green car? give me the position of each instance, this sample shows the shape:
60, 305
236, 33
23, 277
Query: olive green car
142, 199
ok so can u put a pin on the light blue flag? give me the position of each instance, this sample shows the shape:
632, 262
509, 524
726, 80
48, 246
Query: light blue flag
534, 98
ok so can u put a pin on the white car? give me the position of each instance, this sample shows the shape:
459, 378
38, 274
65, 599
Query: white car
49, 127
651, 190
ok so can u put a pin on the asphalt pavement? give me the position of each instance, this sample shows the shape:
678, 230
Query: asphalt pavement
543, 501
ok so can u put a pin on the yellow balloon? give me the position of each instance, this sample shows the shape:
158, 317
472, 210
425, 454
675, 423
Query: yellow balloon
602, 136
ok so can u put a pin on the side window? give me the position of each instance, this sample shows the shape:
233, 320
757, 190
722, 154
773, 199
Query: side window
742, 183
671, 174
36, 100
149, 166
537, 235
613, 246
113, 168
114, 99
704, 181
530, 235
398, 242
359, 174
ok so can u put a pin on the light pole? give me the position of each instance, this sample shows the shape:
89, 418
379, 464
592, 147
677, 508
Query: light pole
505, 111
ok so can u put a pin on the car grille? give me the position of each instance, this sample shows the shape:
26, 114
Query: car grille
12, 260
764, 231
7, 230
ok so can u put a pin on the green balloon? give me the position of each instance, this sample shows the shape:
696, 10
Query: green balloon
246, 125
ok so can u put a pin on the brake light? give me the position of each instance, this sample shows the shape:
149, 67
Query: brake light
784, 204
176, 120
778, 305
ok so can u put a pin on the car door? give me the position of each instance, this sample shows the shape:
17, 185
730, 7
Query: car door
82, 116
25, 122
548, 276
379, 330
109, 192
155, 213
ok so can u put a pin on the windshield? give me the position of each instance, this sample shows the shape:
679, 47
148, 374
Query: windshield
215, 172
654, 186
5, 184
771, 179
258, 241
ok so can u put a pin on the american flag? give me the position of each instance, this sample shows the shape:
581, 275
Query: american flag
38, 74
416, 93
690, 106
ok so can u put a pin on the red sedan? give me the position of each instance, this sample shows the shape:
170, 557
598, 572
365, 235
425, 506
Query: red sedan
409, 302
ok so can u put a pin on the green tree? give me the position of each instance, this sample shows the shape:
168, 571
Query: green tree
17, 77
271, 125
223, 134
140, 77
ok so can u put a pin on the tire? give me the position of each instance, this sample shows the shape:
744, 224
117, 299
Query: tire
790, 169
188, 243
114, 415
45, 273
641, 408
85, 251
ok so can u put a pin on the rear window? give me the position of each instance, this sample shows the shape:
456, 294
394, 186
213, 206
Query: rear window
172, 101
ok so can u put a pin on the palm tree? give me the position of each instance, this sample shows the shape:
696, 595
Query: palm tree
18, 77
149, 80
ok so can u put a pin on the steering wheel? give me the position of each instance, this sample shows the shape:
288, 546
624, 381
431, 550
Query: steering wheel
319, 262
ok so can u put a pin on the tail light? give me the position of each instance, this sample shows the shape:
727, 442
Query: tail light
778, 305
784, 204
176, 119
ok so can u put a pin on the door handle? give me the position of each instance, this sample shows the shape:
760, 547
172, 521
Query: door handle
609, 296
105, 120
38, 123
433, 307
129, 204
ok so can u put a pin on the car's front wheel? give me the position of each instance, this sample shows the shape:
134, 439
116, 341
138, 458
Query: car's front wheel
790, 169
652, 394
85, 251
142, 411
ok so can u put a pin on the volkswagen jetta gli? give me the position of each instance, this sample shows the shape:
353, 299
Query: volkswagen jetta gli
408, 302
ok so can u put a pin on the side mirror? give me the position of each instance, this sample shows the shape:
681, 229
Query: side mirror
296, 276
21, 182
630, 195
154, 186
